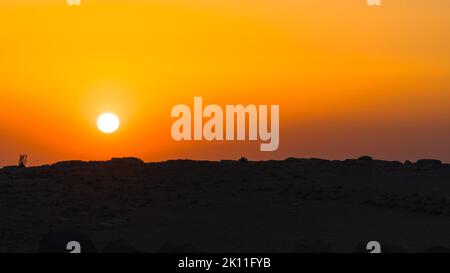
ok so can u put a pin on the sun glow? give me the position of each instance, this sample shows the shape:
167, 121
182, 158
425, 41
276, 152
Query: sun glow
108, 123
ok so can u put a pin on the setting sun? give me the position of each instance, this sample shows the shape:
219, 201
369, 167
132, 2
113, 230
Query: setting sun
338, 79
108, 123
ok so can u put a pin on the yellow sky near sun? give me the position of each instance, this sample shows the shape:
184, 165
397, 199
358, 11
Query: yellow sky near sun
350, 79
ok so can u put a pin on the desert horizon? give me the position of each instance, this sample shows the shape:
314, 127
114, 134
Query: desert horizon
183, 206
209, 127
242, 158
349, 78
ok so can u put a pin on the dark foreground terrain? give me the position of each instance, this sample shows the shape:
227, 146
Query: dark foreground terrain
296, 205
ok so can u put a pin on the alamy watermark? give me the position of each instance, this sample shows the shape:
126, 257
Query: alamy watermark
235, 128
73, 2
374, 3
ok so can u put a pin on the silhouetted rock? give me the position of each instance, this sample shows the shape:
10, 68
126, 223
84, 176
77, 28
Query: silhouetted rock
119, 246
428, 163
365, 158
318, 161
57, 242
223, 206
362, 161
243, 159
291, 159
298, 160
127, 161
11, 169
70, 164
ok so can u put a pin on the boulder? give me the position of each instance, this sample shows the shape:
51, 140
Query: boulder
365, 158
428, 163
126, 161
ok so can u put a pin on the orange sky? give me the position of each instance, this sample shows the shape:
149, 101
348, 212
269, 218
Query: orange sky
350, 79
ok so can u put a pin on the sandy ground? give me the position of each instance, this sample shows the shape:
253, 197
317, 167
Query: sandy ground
297, 205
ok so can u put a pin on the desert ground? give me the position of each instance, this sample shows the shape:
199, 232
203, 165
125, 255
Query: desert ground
296, 205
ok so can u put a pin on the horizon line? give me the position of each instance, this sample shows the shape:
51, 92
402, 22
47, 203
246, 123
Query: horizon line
360, 158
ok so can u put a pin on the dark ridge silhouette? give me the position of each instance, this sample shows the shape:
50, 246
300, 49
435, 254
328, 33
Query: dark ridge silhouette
127, 162
227, 206
365, 158
243, 159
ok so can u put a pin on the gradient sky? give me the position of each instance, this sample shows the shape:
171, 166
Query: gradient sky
350, 79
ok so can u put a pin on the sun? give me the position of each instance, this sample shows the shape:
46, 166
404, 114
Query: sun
108, 123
